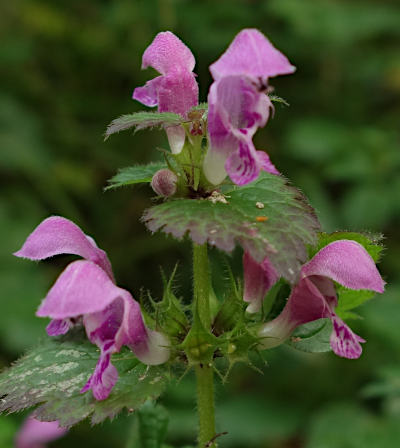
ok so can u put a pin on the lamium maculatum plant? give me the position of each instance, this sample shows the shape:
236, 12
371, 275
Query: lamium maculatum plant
104, 351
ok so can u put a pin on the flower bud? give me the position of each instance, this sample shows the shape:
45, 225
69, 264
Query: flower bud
164, 183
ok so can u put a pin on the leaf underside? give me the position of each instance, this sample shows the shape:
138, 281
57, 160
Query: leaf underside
268, 218
142, 120
137, 174
52, 375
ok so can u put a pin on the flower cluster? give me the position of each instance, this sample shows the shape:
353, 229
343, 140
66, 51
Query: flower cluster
86, 292
238, 103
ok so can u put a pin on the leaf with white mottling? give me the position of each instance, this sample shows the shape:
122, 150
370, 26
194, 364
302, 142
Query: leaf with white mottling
53, 374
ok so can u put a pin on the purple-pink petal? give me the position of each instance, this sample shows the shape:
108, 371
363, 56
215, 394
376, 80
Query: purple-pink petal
343, 341
348, 263
258, 279
36, 434
239, 100
178, 92
265, 163
147, 94
242, 166
236, 110
105, 375
252, 54
57, 235
175, 92
306, 304
167, 52
82, 288
57, 327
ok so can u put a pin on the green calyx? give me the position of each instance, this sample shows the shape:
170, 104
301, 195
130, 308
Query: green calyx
199, 345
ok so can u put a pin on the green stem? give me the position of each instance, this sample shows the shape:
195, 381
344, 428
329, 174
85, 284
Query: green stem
204, 371
201, 284
205, 404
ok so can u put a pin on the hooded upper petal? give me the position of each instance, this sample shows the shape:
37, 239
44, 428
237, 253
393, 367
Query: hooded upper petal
251, 53
258, 279
348, 263
36, 434
167, 53
57, 235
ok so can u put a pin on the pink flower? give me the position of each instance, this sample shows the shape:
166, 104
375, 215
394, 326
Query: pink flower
258, 279
86, 288
314, 297
238, 106
36, 434
176, 90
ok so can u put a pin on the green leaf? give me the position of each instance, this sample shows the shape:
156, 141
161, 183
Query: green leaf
348, 425
267, 218
387, 384
142, 120
312, 337
349, 299
53, 374
137, 174
150, 427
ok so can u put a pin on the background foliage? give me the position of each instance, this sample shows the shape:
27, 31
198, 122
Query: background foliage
69, 68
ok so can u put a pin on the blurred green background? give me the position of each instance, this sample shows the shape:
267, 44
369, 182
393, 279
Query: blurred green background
67, 68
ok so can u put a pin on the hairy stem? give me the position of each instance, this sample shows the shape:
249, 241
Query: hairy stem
205, 404
204, 371
201, 283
